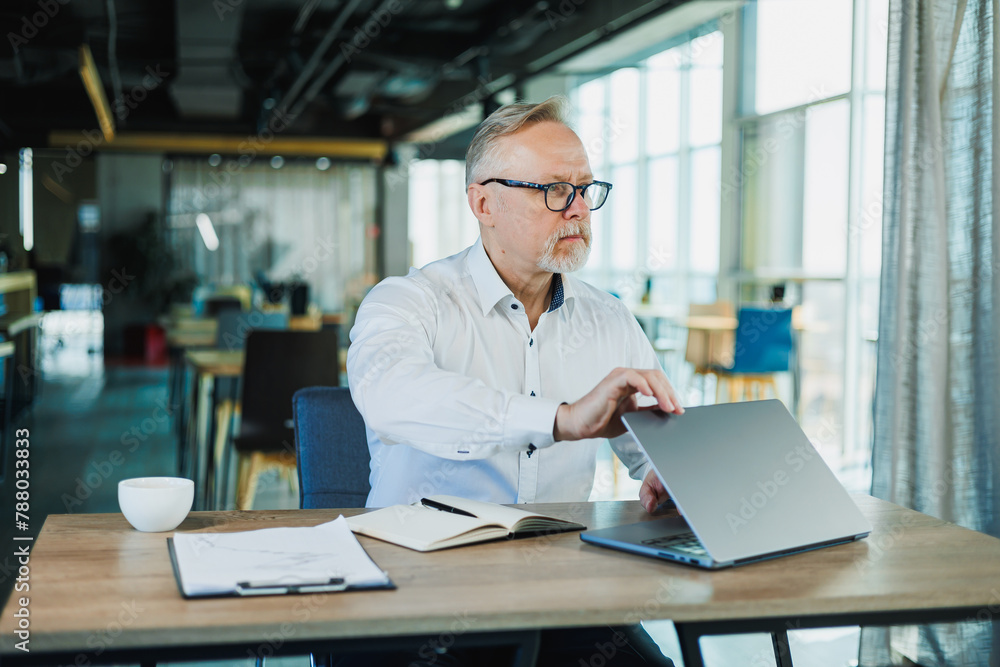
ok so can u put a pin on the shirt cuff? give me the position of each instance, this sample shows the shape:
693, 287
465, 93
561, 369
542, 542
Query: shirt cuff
530, 420
643, 470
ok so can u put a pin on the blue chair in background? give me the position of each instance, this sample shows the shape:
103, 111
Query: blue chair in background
331, 447
763, 347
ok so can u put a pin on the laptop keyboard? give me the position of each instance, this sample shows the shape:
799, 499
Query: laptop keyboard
686, 542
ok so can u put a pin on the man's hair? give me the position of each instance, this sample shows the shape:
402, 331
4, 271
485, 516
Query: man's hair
485, 154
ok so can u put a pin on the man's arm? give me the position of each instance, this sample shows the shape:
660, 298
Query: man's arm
598, 414
405, 397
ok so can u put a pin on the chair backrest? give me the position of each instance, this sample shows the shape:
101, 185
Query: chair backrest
332, 449
709, 348
763, 340
234, 326
278, 364
216, 305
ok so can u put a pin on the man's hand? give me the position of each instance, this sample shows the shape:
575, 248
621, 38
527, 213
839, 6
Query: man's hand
598, 414
652, 493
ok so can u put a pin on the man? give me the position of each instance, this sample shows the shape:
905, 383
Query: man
491, 374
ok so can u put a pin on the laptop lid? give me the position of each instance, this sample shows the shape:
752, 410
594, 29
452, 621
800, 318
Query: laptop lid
747, 479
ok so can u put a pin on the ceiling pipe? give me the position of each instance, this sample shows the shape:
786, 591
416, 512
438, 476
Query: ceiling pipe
331, 68
116, 77
303, 78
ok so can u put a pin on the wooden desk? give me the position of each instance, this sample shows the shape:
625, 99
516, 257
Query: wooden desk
207, 461
183, 334
19, 290
710, 323
96, 582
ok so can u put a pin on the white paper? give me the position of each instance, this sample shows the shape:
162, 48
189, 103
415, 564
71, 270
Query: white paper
214, 563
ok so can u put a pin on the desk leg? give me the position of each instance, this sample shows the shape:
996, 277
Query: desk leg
178, 403
527, 651
782, 653
199, 434
8, 414
206, 439
688, 637
190, 436
796, 367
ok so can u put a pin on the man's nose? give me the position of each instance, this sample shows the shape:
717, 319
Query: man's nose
578, 208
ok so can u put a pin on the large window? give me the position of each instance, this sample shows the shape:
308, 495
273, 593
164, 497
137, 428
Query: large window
796, 205
811, 124
654, 130
746, 155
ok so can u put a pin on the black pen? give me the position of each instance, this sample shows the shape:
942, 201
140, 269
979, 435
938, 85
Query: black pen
334, 584
433, 504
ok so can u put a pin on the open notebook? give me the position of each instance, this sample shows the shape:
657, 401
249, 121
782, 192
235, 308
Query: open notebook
442, 521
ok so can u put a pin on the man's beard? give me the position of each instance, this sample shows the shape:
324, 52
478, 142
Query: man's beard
570, 259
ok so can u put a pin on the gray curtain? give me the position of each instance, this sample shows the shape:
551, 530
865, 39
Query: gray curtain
937, 403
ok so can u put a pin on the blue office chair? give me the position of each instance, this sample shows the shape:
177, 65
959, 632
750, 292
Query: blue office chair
763, 347
331, 447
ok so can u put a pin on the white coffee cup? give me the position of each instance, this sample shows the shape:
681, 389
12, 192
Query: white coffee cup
155, 504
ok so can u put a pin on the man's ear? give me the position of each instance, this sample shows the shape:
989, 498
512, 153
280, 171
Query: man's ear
481, 203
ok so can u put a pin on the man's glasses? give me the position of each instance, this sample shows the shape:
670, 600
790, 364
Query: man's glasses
559, 196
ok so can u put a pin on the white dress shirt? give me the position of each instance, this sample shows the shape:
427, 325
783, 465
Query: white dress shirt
459, 395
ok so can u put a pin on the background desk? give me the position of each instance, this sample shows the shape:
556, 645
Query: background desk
208, 460
96, 582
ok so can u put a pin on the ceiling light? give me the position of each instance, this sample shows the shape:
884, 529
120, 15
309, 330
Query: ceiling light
95, 90
323, 163
215, 159
207, 231
3, 168
27, 210
277, 162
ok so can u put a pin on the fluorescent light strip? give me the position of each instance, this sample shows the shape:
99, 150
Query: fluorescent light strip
207, 231
95, 90
27, 219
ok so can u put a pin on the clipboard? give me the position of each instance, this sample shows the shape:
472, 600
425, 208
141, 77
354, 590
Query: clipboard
273, 561
258, 588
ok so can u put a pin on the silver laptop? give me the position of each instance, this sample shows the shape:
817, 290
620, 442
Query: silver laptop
746, 479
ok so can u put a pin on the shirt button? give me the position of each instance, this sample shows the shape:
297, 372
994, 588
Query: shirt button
513, 306
532, 393
531, 342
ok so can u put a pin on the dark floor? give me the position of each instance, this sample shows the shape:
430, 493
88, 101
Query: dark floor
75, 426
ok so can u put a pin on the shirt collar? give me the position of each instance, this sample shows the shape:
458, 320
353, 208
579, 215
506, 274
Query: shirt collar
492, 288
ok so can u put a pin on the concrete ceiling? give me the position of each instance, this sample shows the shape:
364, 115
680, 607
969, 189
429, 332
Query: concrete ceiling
374, 69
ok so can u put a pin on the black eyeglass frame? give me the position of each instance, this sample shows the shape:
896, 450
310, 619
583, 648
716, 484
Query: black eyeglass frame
545, 188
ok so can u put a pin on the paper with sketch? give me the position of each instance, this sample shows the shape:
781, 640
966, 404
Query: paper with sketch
217, 563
